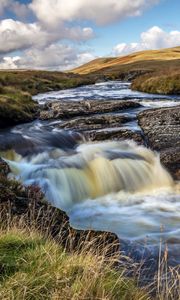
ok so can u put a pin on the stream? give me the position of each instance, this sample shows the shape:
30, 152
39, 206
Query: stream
115, 186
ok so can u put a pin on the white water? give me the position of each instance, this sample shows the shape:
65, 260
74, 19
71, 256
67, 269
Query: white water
108, 90
118, 187
114, 186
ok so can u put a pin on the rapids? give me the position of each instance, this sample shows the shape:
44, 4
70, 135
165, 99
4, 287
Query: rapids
114, 186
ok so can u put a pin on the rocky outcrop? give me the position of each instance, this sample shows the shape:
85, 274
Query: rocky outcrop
162, 130
69, 109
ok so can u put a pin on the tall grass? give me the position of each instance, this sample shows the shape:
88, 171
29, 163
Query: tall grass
36, 265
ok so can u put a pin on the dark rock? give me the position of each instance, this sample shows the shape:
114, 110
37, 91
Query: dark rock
114, 134
162, 130
69, 109
171, 160
4, 168
95, 122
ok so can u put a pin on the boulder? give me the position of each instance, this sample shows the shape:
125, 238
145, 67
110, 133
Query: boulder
161, 128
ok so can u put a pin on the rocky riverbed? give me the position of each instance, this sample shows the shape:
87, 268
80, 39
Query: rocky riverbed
65, 123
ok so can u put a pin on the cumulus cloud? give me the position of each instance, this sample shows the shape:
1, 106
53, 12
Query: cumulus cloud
9, 62
153, 38
102, 12
53, 57
16, 35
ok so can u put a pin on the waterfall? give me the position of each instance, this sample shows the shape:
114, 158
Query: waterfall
91, 171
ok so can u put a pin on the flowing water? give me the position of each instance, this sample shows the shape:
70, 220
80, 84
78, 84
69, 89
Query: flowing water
114, 186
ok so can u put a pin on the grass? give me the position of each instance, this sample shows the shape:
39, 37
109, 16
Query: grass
113, 64
36, 268
152, 71
17, 88
158, 83
42, 257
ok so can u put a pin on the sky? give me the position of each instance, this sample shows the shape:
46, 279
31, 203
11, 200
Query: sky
63, 34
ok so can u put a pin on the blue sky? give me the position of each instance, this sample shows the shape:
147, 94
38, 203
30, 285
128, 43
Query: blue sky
61, 34
166, 15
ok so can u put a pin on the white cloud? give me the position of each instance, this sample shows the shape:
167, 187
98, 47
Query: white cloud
102, 12
9, 62
54, 57
153, 38
16, 35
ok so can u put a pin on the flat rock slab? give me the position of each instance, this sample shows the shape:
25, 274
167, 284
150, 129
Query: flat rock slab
95, 122
117, 134
68, 109
161, 128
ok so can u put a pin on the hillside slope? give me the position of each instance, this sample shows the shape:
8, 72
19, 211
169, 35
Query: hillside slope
146, 59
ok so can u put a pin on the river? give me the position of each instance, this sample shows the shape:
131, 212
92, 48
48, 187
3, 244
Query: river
113, 186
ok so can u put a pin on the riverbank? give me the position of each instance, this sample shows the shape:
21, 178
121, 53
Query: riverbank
18, 87
42, 256
94, 125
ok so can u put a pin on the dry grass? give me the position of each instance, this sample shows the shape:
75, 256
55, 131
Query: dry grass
33, 265
142, 56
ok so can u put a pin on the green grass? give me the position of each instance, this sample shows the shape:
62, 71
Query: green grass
34, 268
17, 88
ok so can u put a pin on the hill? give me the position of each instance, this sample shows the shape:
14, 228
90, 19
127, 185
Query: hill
151, 71
134, 59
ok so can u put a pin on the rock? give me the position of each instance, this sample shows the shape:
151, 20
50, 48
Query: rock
171, 160
4, 168
68, 109
114, 134
95, 122
161, 128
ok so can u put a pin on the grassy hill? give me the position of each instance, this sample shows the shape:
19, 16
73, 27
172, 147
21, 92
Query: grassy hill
151, 71
111, 64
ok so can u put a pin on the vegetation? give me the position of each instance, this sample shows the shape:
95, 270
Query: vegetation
143, 60
158, 83
36, 268
151, 71
17, 87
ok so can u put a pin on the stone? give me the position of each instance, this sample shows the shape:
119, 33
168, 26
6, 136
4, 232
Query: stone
161, 128
114, 134
95, 122
68, 109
